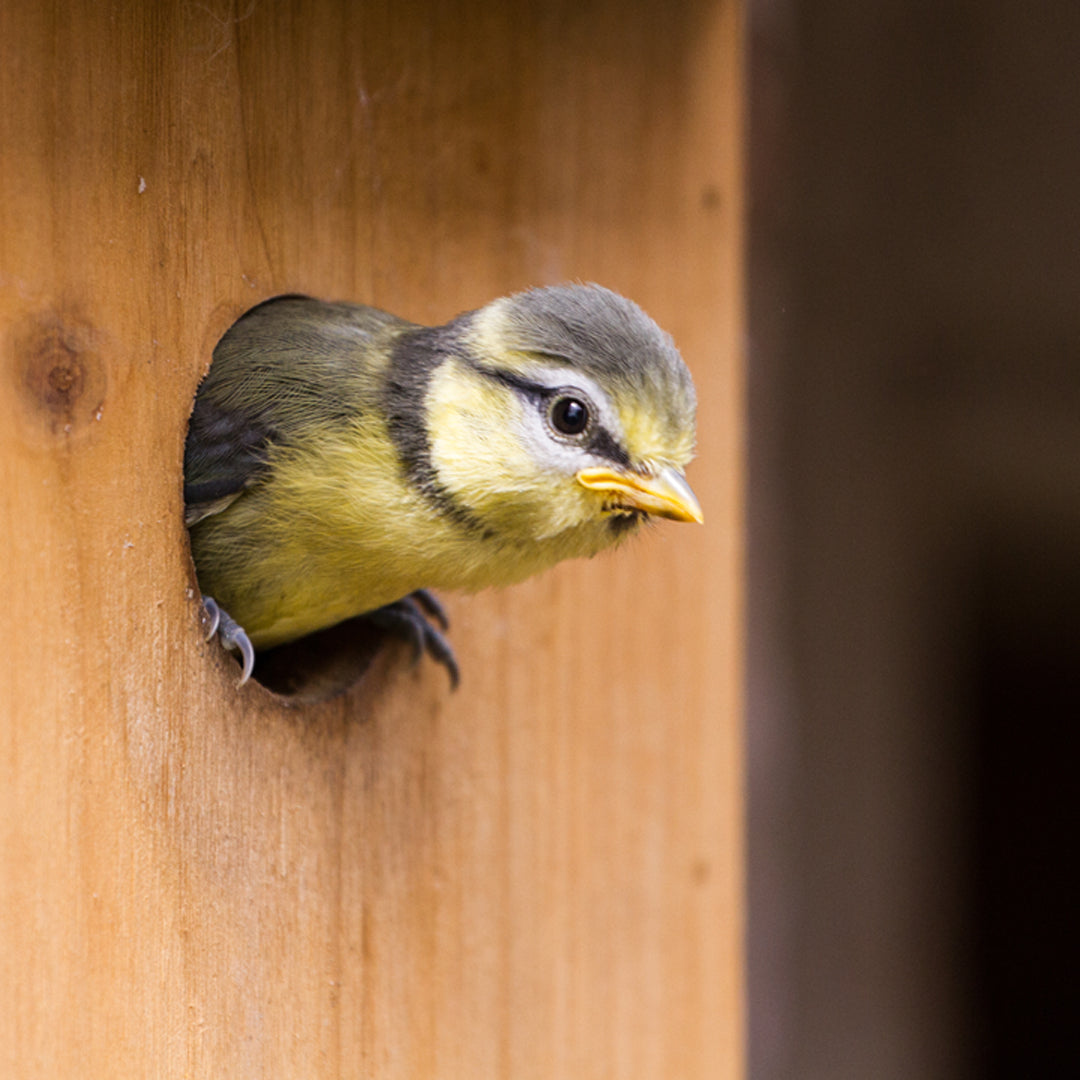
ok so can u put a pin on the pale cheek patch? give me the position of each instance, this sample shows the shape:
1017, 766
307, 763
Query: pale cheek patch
490, 450
475, 429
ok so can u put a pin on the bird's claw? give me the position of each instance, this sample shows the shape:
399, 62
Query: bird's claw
210, 606
432, 607
408, 619
231, 635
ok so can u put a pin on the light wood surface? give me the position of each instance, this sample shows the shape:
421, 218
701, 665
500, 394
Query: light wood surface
539, 876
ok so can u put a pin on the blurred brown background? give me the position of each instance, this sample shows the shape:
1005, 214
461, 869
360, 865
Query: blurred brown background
914, 384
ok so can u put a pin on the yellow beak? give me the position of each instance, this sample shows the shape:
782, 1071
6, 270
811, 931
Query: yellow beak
667, 494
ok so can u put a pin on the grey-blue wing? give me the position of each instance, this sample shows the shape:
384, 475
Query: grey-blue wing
225, 453
287, 363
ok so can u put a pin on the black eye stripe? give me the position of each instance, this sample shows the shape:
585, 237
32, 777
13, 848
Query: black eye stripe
603, 444
532, 390
600, 442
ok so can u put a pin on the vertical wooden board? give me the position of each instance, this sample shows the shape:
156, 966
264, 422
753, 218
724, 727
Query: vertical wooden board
537, 876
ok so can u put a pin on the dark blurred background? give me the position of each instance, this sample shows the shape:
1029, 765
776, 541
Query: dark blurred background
914, 544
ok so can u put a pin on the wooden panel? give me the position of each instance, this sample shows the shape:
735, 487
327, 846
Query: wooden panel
538, 876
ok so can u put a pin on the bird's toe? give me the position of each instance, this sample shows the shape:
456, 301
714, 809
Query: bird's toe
231, 635
440, 650
213, 613
408, 619
432, 607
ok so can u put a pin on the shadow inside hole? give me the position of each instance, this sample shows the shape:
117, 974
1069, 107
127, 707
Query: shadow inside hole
322, 664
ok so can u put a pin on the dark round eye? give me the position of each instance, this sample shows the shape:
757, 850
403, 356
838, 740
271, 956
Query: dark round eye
569, 415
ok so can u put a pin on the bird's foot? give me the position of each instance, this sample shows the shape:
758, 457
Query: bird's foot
231, 635
408, 617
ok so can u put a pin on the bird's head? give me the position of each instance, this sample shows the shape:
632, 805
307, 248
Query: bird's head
563, 412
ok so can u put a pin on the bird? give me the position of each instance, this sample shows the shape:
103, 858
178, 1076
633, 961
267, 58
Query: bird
342, 462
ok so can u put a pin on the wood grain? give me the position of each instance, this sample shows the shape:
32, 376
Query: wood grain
539, 876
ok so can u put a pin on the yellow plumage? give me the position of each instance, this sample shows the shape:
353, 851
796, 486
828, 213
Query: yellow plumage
340, 459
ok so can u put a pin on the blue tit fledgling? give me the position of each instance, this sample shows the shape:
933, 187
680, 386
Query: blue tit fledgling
341, 462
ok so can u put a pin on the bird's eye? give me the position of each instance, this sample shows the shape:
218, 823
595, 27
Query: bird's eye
569, 415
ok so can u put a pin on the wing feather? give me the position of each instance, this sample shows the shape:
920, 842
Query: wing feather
287, 363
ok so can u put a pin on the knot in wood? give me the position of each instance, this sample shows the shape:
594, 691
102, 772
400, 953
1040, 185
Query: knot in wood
61, 377
64, 379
